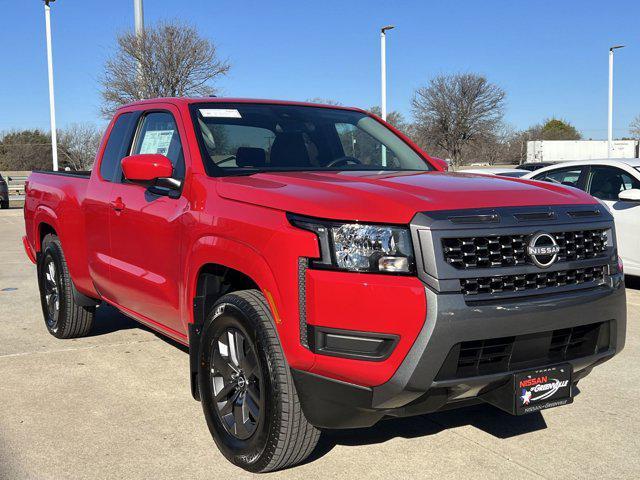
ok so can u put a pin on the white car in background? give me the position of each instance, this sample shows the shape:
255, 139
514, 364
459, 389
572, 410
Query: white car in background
616, 183
502, 171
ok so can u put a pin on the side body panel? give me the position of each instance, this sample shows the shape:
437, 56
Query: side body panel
55, 202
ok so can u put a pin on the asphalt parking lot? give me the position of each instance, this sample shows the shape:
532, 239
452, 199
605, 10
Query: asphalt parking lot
117, 405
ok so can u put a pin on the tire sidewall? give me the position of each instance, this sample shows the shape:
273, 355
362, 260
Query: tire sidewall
251, 454
51, 250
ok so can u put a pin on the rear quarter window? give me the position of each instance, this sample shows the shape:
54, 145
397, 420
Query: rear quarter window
116, 148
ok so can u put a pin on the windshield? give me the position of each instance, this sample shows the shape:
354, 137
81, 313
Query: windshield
246, 138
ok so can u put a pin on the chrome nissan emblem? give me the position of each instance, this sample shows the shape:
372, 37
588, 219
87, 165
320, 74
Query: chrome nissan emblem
543, 249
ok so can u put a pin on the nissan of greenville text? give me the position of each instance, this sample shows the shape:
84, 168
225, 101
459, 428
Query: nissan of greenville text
324, 271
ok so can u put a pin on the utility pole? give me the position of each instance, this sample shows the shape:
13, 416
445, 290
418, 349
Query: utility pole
610, 123
383, 81
52, 105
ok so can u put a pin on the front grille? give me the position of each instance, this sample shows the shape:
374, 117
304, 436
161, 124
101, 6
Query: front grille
490, 356
532, 281
511, 250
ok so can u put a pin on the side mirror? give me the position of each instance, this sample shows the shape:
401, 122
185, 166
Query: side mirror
146, 167
631, 195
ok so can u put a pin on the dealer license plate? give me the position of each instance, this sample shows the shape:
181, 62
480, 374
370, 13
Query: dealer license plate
537, 390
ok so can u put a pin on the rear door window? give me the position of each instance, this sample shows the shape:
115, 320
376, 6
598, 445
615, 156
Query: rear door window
606, 183
116, 148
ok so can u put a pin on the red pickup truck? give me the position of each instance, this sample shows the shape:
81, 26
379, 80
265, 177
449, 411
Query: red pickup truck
324, 271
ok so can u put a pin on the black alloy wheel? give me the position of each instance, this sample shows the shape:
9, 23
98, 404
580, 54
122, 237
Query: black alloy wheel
237, 384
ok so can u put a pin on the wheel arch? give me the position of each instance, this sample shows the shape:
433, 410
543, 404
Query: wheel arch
215, 260
218, 266
46, 222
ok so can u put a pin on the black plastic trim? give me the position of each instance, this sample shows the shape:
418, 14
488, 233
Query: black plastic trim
67, 173
195, 335
82, 299
369, 346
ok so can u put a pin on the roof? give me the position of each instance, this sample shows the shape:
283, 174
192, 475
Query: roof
491, 170
631, 165
191, 100
632, 162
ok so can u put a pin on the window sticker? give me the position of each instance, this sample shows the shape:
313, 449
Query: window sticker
220, 113
156, 141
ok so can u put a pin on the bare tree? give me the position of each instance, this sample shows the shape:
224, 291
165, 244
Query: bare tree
634, 127
78, 145
394, 117
169, 59
324, 101
454, 110
500, 146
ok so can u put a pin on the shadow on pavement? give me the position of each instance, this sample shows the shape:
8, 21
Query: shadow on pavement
109, 320
632, 282
484, 417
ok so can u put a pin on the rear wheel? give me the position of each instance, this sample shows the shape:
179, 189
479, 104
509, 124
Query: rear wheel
247, 393
4, 204
63, 317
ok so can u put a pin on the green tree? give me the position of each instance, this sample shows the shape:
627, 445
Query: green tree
25, 150
553, 129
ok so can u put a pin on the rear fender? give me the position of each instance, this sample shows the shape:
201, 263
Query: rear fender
45, 216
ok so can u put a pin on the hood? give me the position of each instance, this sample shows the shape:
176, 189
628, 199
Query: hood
393, 197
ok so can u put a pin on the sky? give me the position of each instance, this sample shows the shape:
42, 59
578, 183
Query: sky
551, 57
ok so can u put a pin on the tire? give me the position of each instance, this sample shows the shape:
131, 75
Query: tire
62, 316
4, 204
278, 435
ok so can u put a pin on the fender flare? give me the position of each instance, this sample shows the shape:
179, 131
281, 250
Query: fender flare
47, 216
229, 253
238, 256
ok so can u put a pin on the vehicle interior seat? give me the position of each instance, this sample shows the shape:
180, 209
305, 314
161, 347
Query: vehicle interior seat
251, 157
289, 150
606, 186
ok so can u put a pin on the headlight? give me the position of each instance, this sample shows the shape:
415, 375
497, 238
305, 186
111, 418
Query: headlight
360, 247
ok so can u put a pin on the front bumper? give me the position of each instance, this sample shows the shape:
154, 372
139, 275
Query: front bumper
416, 387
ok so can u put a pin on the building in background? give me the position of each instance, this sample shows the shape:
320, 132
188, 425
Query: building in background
567, 150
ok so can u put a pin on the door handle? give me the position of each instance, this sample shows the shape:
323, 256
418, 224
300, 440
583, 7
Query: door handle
117, 204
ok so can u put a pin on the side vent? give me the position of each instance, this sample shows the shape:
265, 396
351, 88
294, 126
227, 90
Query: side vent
584, 213
487, 218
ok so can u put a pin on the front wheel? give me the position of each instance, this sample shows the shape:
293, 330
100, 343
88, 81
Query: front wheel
247, 393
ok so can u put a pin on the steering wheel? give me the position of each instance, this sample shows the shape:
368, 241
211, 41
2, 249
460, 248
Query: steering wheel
343, 161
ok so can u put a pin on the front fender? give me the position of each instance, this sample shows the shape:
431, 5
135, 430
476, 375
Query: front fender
233, 254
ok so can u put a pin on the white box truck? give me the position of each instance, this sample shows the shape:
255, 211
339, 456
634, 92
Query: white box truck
567, 150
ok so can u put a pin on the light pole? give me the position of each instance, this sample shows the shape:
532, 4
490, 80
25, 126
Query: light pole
383, 81
52, 105
610, 124
138, 13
